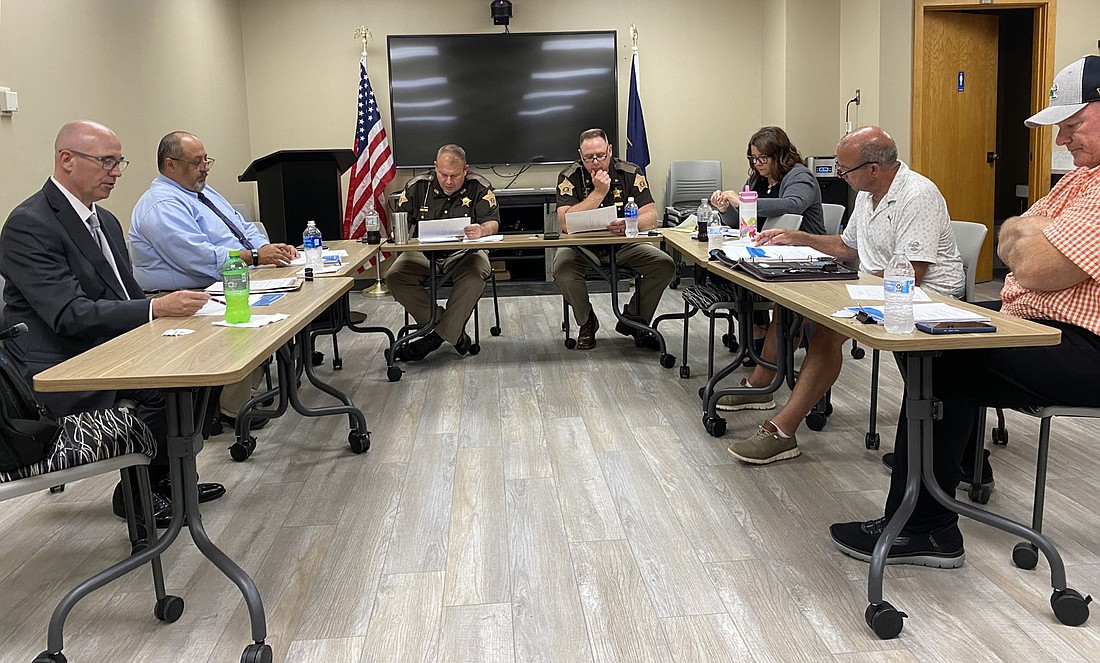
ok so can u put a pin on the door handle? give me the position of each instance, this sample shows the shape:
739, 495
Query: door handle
990, 157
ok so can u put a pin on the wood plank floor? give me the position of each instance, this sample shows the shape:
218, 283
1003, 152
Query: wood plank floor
533, 503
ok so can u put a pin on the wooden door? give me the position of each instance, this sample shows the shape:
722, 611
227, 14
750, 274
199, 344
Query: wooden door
959, 117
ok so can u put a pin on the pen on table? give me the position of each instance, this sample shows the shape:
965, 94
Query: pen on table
218, 299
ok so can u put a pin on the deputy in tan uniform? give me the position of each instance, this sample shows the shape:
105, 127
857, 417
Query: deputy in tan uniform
448, 191
597, 180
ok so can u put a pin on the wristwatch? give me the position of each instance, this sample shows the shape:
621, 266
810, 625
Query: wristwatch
255, 257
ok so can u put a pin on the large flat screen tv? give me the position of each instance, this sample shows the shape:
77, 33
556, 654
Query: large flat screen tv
506, 98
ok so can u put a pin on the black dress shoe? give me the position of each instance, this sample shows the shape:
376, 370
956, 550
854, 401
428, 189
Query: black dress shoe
642, 339
255, 423
586, 336
207, 491
462, 345
420, 348
162, 508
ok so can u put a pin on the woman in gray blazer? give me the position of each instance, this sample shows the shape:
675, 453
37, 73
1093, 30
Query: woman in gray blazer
783, 186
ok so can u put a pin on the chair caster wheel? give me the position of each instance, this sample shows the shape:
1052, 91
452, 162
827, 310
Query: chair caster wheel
57, 489
885, 620
570, 343
668, 361
216, 428
858, 353
47, 657
337, 364
685, 372
257, 653
393, 373
1025, 555
359, 442
716, 426
475, 348
242, 449
999, 436
169, 609
317, 358
495, 331
816, 421
871, 440
980, 493
1070, 607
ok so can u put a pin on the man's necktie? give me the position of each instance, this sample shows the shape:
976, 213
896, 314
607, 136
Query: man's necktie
232, 227
105, 248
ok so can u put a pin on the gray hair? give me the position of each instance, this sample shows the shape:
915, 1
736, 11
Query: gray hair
454, 150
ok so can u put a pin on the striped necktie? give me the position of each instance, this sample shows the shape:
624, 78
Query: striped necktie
237, 232
105, 248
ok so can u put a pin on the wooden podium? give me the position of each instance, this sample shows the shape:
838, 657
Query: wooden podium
296, 186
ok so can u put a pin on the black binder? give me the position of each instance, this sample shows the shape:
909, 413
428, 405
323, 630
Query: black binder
766, 269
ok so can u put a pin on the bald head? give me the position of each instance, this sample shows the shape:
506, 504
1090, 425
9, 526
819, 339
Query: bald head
79, 152
872, 144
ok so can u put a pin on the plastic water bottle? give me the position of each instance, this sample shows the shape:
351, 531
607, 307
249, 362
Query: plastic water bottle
235, 282
747, 212
716, 235
311, 244
898, 284
702, 218
373, 226
630, 214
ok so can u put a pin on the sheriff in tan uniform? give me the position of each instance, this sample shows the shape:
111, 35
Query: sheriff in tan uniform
597, 180
449, 191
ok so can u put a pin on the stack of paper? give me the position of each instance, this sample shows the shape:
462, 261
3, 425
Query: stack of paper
874, 293
442, 230
589, 220
260, 286
932, 313
744, 250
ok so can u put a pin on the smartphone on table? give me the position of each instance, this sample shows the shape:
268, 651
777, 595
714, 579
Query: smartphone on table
955, 327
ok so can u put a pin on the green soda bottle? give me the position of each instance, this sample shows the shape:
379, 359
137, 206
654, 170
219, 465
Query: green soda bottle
235, 281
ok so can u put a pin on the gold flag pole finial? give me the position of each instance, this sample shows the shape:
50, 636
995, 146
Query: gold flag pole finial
363, 35
634, 34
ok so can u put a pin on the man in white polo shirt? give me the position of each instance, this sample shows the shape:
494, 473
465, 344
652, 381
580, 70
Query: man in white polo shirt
895, 207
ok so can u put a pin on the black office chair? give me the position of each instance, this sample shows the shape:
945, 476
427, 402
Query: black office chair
495, 330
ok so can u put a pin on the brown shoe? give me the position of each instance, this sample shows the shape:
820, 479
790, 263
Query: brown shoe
586, 337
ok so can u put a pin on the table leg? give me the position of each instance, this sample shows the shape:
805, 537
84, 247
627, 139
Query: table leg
1069, 606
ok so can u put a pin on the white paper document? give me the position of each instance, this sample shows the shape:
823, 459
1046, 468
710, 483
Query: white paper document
255, 321
940, 312
217, 307
742, 250
873, 293
261, 286
485, 238
442, 230
589, 220
327, 258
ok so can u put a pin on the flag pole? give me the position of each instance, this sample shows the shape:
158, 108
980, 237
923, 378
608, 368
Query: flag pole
379, 289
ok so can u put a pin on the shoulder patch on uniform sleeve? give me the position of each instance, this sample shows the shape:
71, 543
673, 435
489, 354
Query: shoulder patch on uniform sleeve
404, 198
640, 182
490, 198
565, 187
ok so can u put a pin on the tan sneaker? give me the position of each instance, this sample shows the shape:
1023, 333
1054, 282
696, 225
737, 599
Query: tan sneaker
765, 447
746, 402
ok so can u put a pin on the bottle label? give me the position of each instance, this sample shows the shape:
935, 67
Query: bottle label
898, 286
311, 242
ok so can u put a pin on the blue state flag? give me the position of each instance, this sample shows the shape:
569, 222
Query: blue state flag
637, 146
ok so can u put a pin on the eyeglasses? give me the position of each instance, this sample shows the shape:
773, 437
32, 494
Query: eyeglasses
844, 173
594, 158
108, 163
201, 163
762, 159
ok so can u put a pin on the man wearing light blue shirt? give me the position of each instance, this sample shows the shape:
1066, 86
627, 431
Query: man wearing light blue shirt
182, 229
181, 232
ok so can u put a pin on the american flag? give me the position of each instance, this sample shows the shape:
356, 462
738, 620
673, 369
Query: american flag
373, 168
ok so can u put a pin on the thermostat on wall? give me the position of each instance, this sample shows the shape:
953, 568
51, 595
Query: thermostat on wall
9, 101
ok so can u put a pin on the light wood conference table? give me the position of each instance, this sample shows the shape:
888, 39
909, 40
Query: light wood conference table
185, 367
817, 301
526, 241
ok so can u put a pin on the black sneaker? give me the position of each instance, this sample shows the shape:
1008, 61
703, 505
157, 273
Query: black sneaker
940, 548
967, 469
463, 344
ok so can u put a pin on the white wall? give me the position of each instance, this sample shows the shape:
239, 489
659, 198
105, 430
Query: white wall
253, 76
141, 68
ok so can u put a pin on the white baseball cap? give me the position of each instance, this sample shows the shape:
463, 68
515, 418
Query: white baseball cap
1074, 88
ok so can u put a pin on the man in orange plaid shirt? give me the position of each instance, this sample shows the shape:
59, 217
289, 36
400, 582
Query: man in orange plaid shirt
1053, 251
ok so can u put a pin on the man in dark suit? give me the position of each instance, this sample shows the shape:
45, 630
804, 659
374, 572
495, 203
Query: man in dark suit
69, 279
